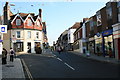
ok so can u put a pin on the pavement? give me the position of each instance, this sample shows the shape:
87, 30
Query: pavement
12, 70
97, 58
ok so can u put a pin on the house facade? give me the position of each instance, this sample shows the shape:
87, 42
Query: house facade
116, 34
100, 32
71, 31
25, 30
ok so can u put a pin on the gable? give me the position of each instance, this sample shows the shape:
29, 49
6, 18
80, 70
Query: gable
29, 17
17, 16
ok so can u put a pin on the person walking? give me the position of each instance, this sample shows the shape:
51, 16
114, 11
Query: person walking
12, 53
4, 56
59, 49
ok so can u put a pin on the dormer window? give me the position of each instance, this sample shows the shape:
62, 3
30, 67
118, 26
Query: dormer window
18, 22
29, 22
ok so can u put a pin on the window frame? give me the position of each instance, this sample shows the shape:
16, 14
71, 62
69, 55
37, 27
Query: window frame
29, 35
18, 34
18, 22
29, 22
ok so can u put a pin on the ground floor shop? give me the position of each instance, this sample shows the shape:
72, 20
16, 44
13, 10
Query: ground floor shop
91, 45
98, 44
107, 43
27, 46
116, 37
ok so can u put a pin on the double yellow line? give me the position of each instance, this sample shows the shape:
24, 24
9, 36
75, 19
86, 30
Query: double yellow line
27, 70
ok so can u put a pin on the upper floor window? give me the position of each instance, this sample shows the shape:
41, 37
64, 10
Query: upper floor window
18, 34
37, 35
109, 12
29, 22
29, 35
91, 24
118, 4
18, 22
99, 22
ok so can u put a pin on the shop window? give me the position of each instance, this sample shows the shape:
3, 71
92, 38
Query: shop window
108, 44
18, 22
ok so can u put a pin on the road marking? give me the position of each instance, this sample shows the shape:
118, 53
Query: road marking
65, 63
59, 59
69, 66
27, 70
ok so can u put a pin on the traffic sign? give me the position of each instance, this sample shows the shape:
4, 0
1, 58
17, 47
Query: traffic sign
3, 28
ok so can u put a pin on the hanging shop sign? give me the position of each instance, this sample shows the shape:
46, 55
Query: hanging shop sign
107, 32
3, 28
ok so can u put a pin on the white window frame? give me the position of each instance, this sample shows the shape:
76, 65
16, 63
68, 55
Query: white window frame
18, 22
29, 34
29, 22
18, 34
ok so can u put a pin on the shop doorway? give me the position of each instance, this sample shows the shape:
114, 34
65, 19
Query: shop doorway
18, 46
29, 47
108, 46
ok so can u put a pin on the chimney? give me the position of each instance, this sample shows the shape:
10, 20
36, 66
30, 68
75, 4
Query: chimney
6, 13
40, 13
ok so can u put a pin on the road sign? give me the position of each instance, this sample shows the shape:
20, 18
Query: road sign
3, 28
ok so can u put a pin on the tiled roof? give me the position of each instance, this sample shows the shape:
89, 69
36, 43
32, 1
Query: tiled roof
75, 26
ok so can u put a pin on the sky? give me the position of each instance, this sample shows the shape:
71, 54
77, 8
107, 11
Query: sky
59, 15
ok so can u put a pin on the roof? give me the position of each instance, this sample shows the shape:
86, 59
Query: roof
75, 26
35, 17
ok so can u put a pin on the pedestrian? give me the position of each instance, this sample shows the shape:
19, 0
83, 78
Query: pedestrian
39, 50
4, 56
59, 49
12, 54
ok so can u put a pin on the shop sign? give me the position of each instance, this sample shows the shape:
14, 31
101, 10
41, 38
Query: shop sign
1, 40
37, 40
18, 41
108, 32
3, 28
98, 34
116, 28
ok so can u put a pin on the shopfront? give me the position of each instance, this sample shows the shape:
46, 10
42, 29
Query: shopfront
98, 44
91, 45
107, 45
18, 46
116, 37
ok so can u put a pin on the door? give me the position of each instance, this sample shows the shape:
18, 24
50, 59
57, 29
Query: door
29, 47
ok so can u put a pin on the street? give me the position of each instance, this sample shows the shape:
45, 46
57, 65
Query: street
66, 65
